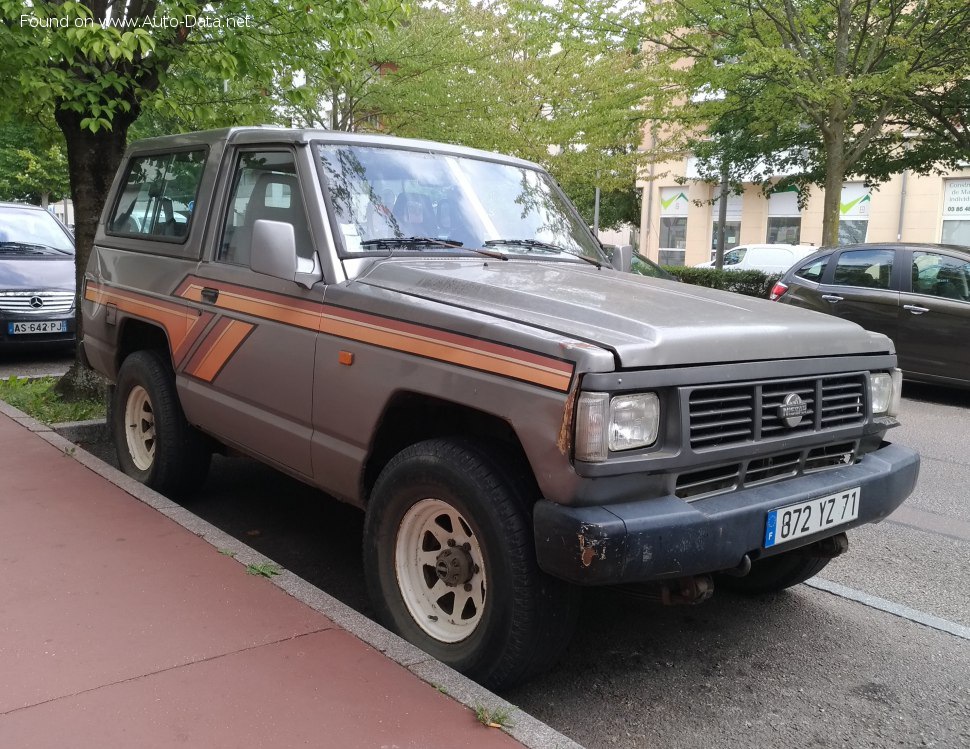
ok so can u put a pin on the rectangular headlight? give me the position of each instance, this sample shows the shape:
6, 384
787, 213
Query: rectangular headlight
634, 421
886, 390
605, 424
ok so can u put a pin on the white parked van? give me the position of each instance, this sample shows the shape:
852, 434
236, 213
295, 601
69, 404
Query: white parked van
768, 258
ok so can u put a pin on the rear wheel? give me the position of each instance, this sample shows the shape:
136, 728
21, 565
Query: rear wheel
450, 563
775, 573
155, 444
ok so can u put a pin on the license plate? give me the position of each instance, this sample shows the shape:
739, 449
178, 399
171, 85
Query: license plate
38, 326
788, 523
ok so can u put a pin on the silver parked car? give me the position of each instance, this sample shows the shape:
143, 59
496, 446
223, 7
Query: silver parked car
36, 277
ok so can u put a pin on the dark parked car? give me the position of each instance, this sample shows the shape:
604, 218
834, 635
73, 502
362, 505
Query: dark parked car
917, 294
36, 277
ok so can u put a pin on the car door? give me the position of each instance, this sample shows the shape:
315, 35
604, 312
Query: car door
249, 380
862, 286
935, 316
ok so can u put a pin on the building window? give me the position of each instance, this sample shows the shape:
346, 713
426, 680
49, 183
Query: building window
956, 212
673, 232
732, 222
853, 232
784, 217
784, 230
854, 213
673, 225
671, 257
732, 236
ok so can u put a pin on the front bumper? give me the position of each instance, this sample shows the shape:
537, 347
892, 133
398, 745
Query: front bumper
666, 537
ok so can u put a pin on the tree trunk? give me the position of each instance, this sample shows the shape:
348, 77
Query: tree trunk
834, 179
92, 159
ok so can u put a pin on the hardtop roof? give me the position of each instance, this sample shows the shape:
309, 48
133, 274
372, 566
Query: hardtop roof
274, 134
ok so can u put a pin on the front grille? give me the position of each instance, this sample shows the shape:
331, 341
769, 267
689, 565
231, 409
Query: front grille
51, 302
722, 479
723, 415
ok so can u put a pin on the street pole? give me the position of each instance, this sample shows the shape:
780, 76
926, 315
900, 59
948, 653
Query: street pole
596, 208
721, 217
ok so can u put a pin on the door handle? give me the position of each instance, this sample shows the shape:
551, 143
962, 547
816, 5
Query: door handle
916, 310
831, 298
209, 295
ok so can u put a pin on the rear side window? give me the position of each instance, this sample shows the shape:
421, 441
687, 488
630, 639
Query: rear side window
158, 198
813, 269
867, 268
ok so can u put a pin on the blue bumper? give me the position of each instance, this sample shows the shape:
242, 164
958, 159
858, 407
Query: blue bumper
666, 537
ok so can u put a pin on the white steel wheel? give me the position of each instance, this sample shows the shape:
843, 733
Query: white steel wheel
140, 428
440, 570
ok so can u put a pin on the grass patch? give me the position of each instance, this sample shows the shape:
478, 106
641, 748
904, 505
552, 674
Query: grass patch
37, 398
263, 570
493, 717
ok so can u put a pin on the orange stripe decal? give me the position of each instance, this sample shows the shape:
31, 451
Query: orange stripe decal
420, 340
217, 348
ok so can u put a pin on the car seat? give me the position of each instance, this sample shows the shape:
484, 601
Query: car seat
240, 245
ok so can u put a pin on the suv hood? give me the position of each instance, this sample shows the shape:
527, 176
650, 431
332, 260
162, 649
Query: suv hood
646, 322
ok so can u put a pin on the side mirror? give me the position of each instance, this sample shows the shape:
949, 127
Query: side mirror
273, 249
621, 257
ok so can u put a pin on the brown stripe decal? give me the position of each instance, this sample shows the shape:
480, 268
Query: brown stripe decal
221, 342
465, 351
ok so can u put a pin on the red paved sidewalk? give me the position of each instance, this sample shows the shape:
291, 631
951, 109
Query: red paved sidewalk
120, 628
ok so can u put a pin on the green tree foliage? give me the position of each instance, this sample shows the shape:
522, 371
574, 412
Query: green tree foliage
519, 77
33, 165
96, 65
808, 88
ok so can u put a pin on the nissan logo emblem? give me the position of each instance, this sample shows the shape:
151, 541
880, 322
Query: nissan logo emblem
791, 410
36, 302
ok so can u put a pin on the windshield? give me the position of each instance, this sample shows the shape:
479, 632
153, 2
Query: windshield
387, 199
27, 231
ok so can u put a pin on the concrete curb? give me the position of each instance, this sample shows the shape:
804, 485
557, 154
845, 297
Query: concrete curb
524, 728
92, 430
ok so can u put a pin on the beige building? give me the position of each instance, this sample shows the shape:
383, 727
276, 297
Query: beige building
678, 222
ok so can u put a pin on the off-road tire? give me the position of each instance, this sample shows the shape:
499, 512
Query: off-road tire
774, 573
181, 454
527, 617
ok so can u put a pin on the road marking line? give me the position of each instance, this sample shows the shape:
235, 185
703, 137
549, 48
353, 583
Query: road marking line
896, 609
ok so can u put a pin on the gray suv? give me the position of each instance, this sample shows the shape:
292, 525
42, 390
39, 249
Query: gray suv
431, 333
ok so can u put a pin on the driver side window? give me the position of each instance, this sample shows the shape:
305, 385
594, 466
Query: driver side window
265, 186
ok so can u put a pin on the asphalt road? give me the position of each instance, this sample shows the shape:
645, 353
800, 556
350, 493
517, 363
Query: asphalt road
805, 668
34, 362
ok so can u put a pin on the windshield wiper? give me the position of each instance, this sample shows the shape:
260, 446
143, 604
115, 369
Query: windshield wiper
388, 242
535, 244
32, 247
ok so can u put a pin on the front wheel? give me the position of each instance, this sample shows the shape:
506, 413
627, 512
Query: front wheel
450, 563
775, 573
155, 444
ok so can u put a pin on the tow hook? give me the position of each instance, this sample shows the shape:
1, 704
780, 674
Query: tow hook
687, 590
683, 590
828, 547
